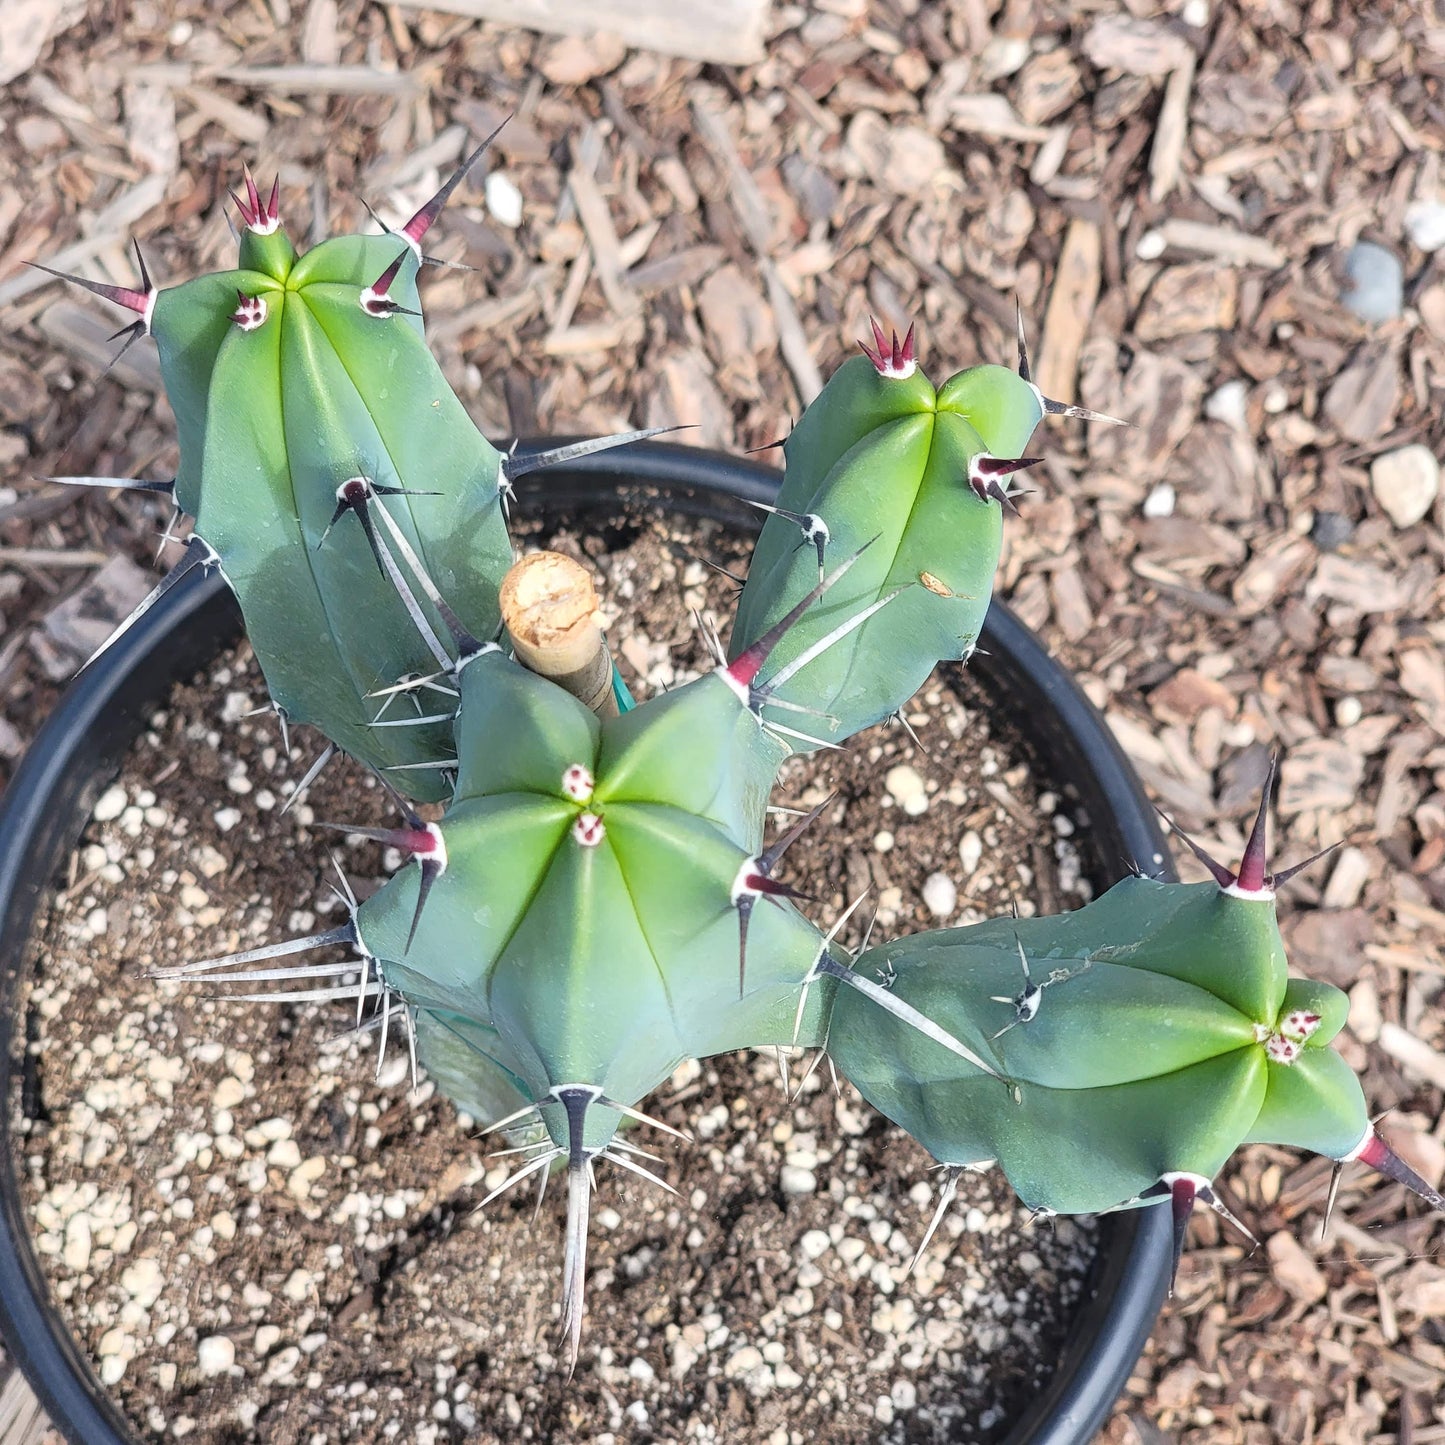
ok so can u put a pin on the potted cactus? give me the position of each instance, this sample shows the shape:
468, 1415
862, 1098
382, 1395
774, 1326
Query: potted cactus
591, 896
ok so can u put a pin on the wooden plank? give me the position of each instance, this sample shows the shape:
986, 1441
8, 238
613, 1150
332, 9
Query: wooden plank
728, 32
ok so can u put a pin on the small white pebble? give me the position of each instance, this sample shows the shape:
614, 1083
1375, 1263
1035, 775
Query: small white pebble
110, 805
1160, 501
216, 1354
504, 200
940, 895
795, 1180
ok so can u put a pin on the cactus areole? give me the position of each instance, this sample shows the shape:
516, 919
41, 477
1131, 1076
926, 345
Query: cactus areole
595, 900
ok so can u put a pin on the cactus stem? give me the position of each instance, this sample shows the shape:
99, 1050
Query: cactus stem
1373, 1150
129, 484
198, 553
814, 528
986, 476
514, 466
262, 218
374, 300
310, 776
896, 362
426, 217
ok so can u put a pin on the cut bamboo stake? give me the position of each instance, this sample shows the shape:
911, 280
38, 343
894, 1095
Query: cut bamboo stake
550, 609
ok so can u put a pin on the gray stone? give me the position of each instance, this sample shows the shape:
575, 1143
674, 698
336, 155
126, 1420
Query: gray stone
1376, 289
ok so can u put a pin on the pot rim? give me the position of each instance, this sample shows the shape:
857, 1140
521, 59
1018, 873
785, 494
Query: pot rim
78, 751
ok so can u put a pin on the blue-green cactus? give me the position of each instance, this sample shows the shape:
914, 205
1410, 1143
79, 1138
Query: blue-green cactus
593, 902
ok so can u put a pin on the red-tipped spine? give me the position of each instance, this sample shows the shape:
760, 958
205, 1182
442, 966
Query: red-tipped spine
1383, 1160
894, 360
1253, 875
426, 217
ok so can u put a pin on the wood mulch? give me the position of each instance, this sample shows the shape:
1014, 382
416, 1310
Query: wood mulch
1170, 190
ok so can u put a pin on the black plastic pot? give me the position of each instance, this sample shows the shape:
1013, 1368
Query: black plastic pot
80, 749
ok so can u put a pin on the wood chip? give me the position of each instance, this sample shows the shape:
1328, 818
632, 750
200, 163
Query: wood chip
1222, 243
323, 79
1135, 47
1071, 305
1167, 156
992, 115
1319, 773
1413, 1053
77, 626
26, 26
1296, 1272
728, 32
